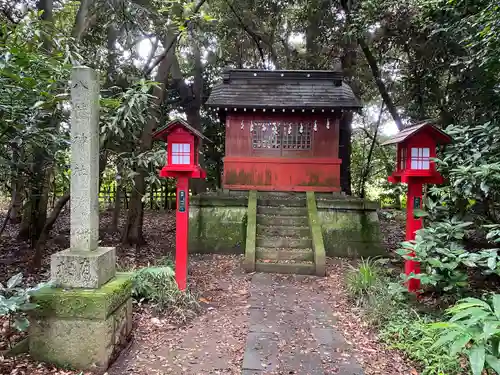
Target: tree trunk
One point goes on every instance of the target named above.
(345, 132)
(132, 233)
(313, 32)
(116, 209)
(25, 228)
(17, 204)
(192, 101)
(35, 209)
(366, 170)
(81, 19)
(382, 88)
(348, 63)
(44, 235)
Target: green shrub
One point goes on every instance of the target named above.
(385, 306)
(444, 259)
(14, 304)
(362, 278)
(474, 330)
(409, 332)
(166, 261)
(157, 286)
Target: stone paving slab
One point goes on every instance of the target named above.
(291, 332)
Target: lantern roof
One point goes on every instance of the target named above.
(162, 132)
(282, 89)
(410, 131)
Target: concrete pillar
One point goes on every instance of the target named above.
(84, 159)
(86, 316)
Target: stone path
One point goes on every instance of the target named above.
(290, 331)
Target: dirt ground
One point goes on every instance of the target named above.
(213, 342)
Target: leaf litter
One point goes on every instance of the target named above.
(214, 341)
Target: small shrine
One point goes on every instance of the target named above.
(182, 144)
(416, 147)
(282, 128)
(284, 173)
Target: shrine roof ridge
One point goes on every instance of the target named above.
(407, 132)
(178, 121)
(330, 75)
(282, 89)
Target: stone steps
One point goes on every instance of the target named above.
(274, 254)
(280, 220)
(282, 211)
(283, 242)
(285, 268)
(277, 202)
(302, 231)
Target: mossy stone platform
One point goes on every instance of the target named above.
(224, 222)
(82, 328)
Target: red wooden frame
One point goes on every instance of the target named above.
(421, 136)
(179, 132)
(316, 168)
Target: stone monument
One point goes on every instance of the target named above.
(85, 316)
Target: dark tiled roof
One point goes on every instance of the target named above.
(439, 135)
(178, 121)
(300, 89)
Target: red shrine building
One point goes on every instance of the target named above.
(282, 128)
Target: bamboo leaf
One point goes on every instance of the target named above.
(477, 357)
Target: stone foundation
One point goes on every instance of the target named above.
(82, 328)
(83, 269)
(218, 223)
(350, 227)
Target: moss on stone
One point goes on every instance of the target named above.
(316, 235)
(83, 303)
(351, 233)
(251, 232)
(217, 229)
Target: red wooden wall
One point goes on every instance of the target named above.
(316, 169)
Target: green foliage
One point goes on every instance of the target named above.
(474, 330)
(409, 331)
(385, 306)
(15, 303)
(473, 168)
(362, 278)
(444, 259)
(157, 286)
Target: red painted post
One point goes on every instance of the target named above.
(413, 224)
(181, 232)
(415, 167)
(182, 163)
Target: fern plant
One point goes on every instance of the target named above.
(474, 330)
(157, 286)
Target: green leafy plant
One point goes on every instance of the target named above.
(157, 286)
(362, 278)
(407, 330)
(14, 303)
(444, 259)
(474, 330)
(404, 328)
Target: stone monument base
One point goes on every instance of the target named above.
(83, 269)
(82, 328)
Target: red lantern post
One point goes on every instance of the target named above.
(416, 148)
(183, 143)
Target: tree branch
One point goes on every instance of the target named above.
(148, 69)
(81, 19)
(366, 170)
(384, 93)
